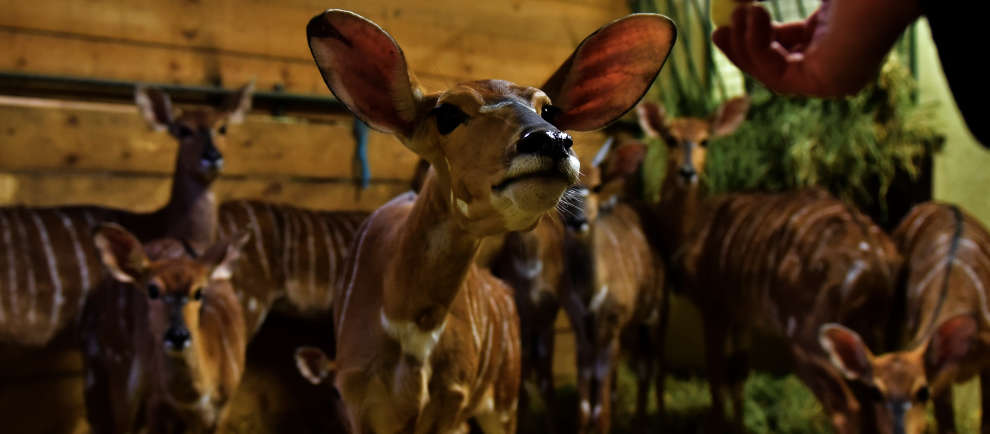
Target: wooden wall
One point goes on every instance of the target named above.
(57, 152)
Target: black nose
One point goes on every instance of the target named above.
(212, 155)
(687, 172)
(547, 143)
(176, 338)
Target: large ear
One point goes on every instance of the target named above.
(155, 107)
(239, 103)
(847, 351)
(624, 161)
(365, 69)
(222, 256)
(610, 71)
(946, 348)
(122, 254)
(313, 364)
(652, 119)
(729, 116)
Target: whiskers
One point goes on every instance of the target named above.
(571, 203)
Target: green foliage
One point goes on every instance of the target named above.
(855, 146)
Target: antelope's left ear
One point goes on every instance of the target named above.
(155, 107)
(847, 351)
(222, 256)
(239, 103)
(610, 71)
(121, 252)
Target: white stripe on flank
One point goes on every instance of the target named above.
(311, 246)
(287, 248)
(259, 241)
(331, 256)
(25, 250)
(80, 255)
(46, 242)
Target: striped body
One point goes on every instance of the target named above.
(781, 266)
(471, 371)
(947, 254)
(613, 300)
(294, 253)
(48, 265)
(800, 259)
(132, 384)
(532, 264)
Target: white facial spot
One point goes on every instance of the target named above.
(252, 304)
(414, 342)
(863, 246)
(585, 407)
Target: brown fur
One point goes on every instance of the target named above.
(532, 264)
(135, 382)
(776, 265)
(426, 338)
(294, 254)
(946, 276)
(48, 264)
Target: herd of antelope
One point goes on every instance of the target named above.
(443, 300)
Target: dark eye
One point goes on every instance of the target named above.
(222, 130)
(923, 394)
(153, 291)
(704, 143)
(550, 113)
(874, 393)
(449, 117)
(198, 294)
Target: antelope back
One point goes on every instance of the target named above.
(48, 265)
(947, 268)
(805, 256)
(294, 253)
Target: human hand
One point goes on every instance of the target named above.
(833, 52)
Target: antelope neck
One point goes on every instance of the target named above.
(191, 211)
(431, 262)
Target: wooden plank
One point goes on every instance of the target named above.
(197, 43)
(114, 137)
(148, 192)
(108, 137)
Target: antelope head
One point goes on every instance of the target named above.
(176, 284)
(499, 149)
(899, 385)
(201, 132)
(687, 138)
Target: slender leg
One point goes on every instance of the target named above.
(944, 416)
(715, 368)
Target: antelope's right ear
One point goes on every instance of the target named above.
(122, 254)
(610, 71)
(155, 107)
(947, 346)
(223, 255)
(313, 364)
(847, 351)
(652, 119)
(365, 69)
(729, 116)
